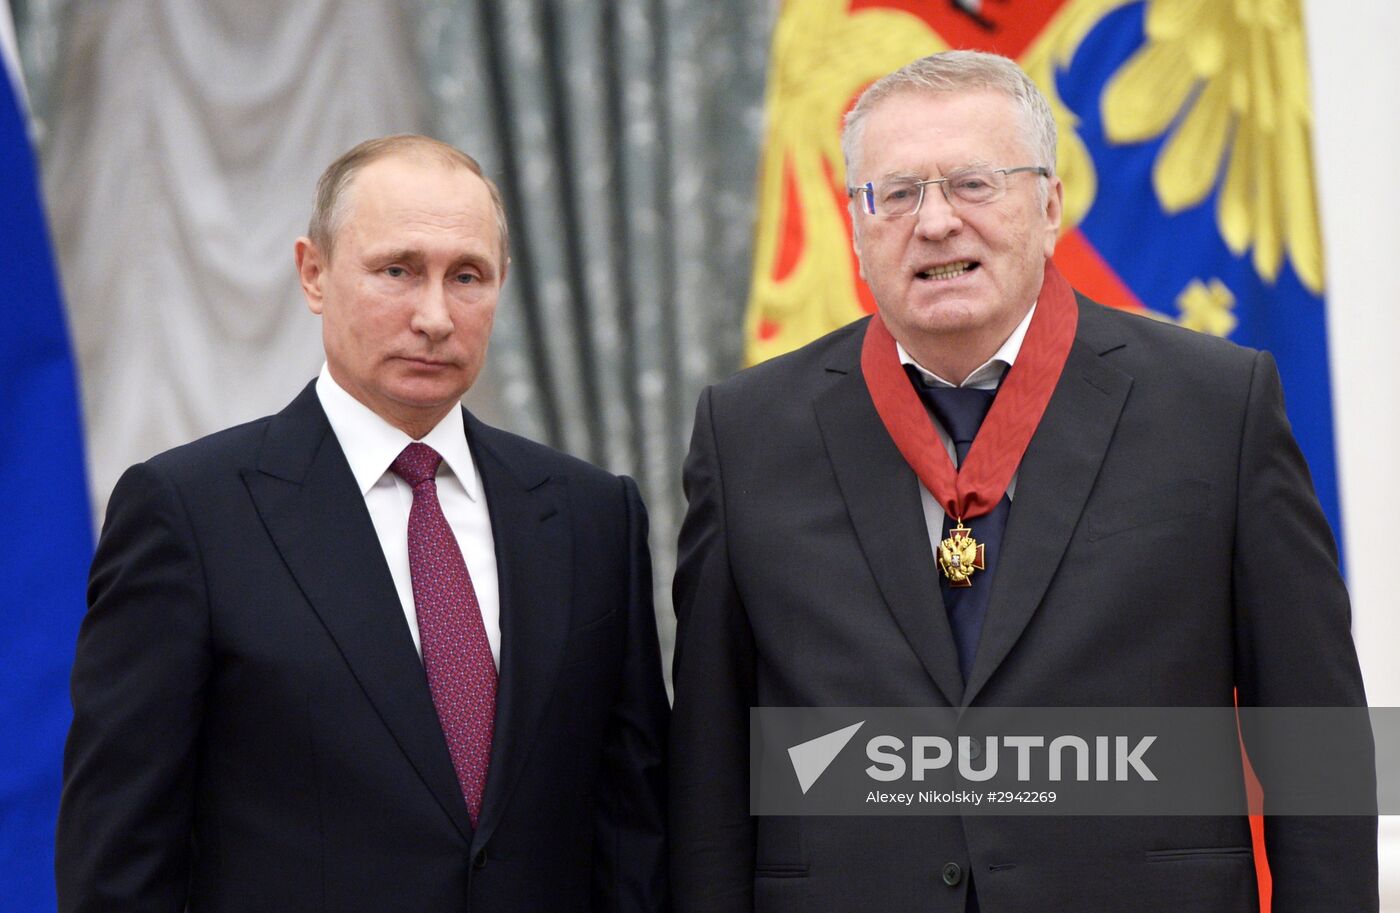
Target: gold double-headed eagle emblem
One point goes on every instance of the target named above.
(960, 555)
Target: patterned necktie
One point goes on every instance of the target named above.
(456, 653)
(960, 410)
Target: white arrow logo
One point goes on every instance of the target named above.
(811, 759)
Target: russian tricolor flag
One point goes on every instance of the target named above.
(45, 520)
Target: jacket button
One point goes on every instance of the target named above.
(952, 874)
(974, 748)
(479, 862)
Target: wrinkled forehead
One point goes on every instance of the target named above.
(913, 130)
(423, 192)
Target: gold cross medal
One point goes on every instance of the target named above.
(959, 555)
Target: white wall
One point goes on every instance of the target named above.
(1356, 76)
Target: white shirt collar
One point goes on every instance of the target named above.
(371, 444)
(989, 374)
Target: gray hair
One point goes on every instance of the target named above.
(328, 213)
(960, 71)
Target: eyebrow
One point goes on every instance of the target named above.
(403, 253)
(977, 165)
(901, 176)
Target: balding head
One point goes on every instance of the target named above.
(334, 189)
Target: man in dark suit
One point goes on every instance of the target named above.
(369, 653)
(1149, 538)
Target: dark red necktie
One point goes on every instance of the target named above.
(456, 653)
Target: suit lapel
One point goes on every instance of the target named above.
(1053, 483)
(882, 497)
(534, 554)
(309, 502)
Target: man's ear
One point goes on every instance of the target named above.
(311, 270)
(1054, 211)
(855, 237)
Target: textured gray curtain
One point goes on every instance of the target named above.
(625, 137)
(181, 140)
(180, 145)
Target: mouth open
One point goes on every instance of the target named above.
(947, 270)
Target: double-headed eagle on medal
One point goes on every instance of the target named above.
(959, 555)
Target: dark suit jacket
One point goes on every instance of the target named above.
(253, 728)
(1164, 547)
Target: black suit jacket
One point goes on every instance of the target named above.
(253, 729)
(1164, 548)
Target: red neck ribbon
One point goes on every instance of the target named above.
(1005, 434)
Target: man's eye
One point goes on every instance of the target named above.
(896, 194)
(971, 183)
(395, 272)
(467, 278)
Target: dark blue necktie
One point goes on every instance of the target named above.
(960, 410)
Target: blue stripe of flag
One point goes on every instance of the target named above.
(45, 524)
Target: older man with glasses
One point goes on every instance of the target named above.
(994, 493)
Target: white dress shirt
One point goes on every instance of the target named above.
(986, 377)
(371, 444)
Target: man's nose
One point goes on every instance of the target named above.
(431, 315)
(936, 218)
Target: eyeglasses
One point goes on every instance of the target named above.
(970, 187)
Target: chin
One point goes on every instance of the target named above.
(428, 395)
(947, 317)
